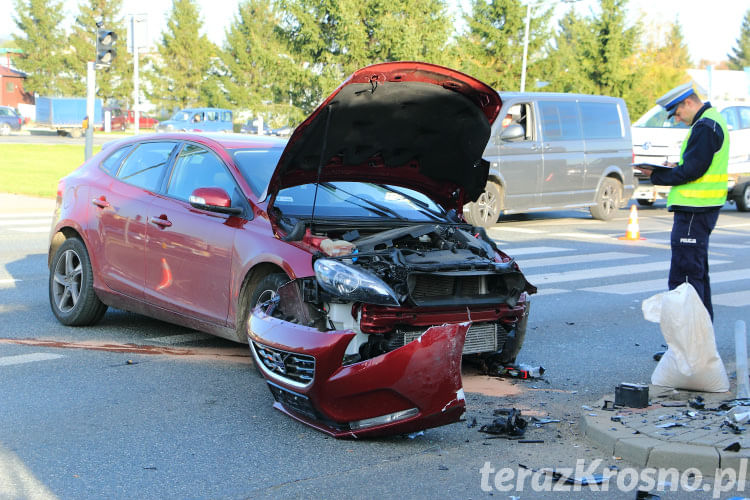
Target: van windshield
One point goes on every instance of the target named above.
(656, 117)
(181, 116)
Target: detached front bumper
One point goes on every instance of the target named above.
(414, 387)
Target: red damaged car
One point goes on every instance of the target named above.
(340, 256)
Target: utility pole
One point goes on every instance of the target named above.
(135, 48)
(90, 91)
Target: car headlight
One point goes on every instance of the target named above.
(354, 284)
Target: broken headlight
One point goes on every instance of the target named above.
(353, 284)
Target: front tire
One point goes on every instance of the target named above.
(71, 286)
(743, 199)
(607, 199)
(485, 211)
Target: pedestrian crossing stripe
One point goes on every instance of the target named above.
(28, 358)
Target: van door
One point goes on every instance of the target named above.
(518, 161)
(563, 153)
(606, 143)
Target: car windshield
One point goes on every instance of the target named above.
(347, 200)
(257, 166)
(181, 116)
(656, 117)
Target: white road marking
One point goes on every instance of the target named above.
(591, 236)
(28, 358)
(661, 284)
(576, 259)
(44, 229)
(549, 291)
(726, 245)
(21, 222)
(516, 230)
(180, 339)
(513, 252)
(733, 299)
(40, 215)
(8, 281)
(603, 272)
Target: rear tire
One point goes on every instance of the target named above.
(71, 286)
(485, 211)
(607, 199)
(743, 199)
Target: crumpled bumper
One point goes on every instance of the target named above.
(414, 387)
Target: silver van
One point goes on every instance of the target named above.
(553, 151)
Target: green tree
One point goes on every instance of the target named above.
(741, 56)
(330, 39)
(183, 67)
(259, 71)
(114, 83)
(663, 65)
(596, 55)
(492, 47)
(43, 43)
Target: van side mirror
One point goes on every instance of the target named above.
(512, 132)
(213, 199)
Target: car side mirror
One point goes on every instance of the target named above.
(512, 132)
(213, 199)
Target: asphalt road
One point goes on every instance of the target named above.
(137, 408)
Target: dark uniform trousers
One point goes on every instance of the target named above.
(690, 232)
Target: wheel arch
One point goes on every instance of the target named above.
(251, 279)
(62, 234)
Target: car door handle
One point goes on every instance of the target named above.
(100, 202)
(160, 221)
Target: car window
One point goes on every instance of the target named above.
(601, 120)
(257, 166)
(196, 167)
(343, 200)
(145, 166)
(4, 112)
(730, 115)
(744, 112)
(113, 161)
(559, 120)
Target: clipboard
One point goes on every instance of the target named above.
(651, 166)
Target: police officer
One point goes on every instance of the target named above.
(699, 187)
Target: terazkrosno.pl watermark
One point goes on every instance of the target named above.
(626, 479)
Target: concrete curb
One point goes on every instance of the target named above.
(668, 436)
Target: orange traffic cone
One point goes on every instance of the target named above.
(633, 232)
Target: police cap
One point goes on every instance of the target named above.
(671, 99)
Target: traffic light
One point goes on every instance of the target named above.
(105, 46)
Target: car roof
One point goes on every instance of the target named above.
(227, 141)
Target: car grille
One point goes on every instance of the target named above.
(481, 337)
(293, 401)
(292, 366)
(430, 285)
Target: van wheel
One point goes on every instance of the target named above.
(485, 211)
(607, 199)
(743, 199)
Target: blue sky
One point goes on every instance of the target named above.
(710, 33)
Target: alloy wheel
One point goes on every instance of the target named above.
(68, 275)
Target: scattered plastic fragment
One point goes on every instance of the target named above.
(658, 355)
(511, 425)
(669, 425)
(697, 402)
(733, 447)
(673, 404)
(472, 423)
(538, 422)
(587, 408)
(415, 434)
(442, 467)
(528, 441)
(641, 494)
(568, 479)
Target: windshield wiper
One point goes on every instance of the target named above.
(426, 210)
(374, 206)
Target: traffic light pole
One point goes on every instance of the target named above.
(90, 91)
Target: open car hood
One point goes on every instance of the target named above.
(410, 124)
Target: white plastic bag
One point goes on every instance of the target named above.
(691, 361)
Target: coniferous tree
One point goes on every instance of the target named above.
(260, 73)
(330, 39)
(43, 44)
(182, 68)
(114, 83)
(492, 47)
(740, 58)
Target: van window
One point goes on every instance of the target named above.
(744, 112)
(212, 116)
(226, 116)
(730, 116)
(560, 120)
(601, 120)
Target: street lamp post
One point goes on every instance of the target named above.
(134, 19)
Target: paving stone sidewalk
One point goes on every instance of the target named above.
(673, 431)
